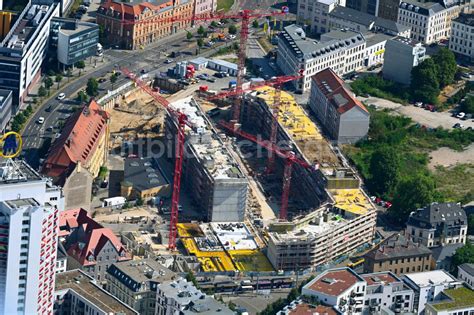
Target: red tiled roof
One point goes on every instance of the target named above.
(78, 140)
(306, 309)
(336, 85)
(379, 277)
(334, 282)
(132, 10)
(91, 239)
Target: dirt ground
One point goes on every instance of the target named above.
(447, 157)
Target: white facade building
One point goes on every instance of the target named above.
(462, 36)
(204, 6)
(316, 13)
(428, 286)
(342, 51)
(29, 207)
(466, 274)
(429, 21)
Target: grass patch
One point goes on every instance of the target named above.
(224, 5)
(460, 298)
(226, 50)
(103, 172)
(377, 86)
(265, 43)
(457, 182)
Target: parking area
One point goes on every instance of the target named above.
(420, 115)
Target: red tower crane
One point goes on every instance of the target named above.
(290, 159)
(245, 16)
(181, 122)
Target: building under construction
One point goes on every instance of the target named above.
(211, 175)
(339, 217)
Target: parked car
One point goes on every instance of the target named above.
(210, 79)
(49, 109)
(221, 74)
(461, 115)
(40, 120)
(458, 126)
(430, 107)
(232, 36)
(419, 104)
(102, 80)
(61, 96)
(168, 61)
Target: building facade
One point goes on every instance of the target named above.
(315, 13)
(462, 40)
(128, 24)
(73, 40)
(210, 173)
(203, 7)
(401, 56)
(399, 255)
(453, 301)
(430, 22)
(388, 9)
(364, 6)
(466, 274)
(135, 282)
(29, 209)
(342, 51)
(438, 224)
(24, 48)
(343, 116)
(5, 108)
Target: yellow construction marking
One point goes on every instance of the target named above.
(250, 260)
(352, 200)
(189, 230)
(219, 260)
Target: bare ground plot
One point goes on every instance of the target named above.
(456, 181)
(447, 157)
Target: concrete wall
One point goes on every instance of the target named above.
(229, 200)
(399, 61)
(353, 125)
(5, 109)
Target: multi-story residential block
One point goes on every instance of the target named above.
(73, 40)
(375, 49)
(211, 174)
(385, 291)
(364, 6)
(24, 48)
(78, 293)
(341, 288)
(315, 13)
(202, 7)
(342, 51)
(466, 274)
(429, 21)
(299, 307)
(343, 116)
(438, 224)
(5, 108)
(29, 209)
(428, 286)
(461, 41)
(182, 297)
(90, 247)
(83, 141)
(128, 23)
(61, 258)
(452, 301)
(401, 56)
(388, 9)
(134, 283)
(399, 255)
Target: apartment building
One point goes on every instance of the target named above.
(462, 32)
(341, 288)
(343, 116)
(340, 50)
(73, 40)
(90, 247)
(401, 56)
(29, 209)
(429, 21)
(135, 283)
(5, 108)
(211, 175)
(24, 48)
(182, 297)
(202, 7)
(364, 6)
(315, 13)
(399, 255)
(428, 286)
(438, 224)
(386, 292)
(452, 301)
(388, 9)
(466, 274)
(78, 293)
(128, 23)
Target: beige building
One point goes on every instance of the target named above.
(315, 13)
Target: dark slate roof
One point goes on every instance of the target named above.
(424, 8)
(352, 15)
(469, 268)
(144, 173)
(435, 213)
(467, 19)
(440, 253)
(397, 246)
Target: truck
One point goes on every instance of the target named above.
(232, 84)
(114, 202)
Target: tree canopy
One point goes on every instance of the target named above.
(232, 29)
(385, 170)
(424, 82)
(92, 88)
(463, 255)
(446, 66)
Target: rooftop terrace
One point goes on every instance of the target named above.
(459, 298)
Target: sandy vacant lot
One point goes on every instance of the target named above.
(447, 157)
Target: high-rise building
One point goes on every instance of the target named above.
(29, 206)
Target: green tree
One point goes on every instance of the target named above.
(232, 29)
(58, 79)
(81, 97)
(189, 35)
(446, 66)
(139, 201)
(470, 224)
(255, 24)
(191, 278)
(201, 30)
(214, 24)
(200, 43)
(29, 110)
(468, 105)
(113, 79)
(48, 83)
(232, 306)
(424, 82)
(80, 64)
(411, 193)
(463, 255)
(92, 88)
(385, 170)
(42, 92)
(68, 74)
